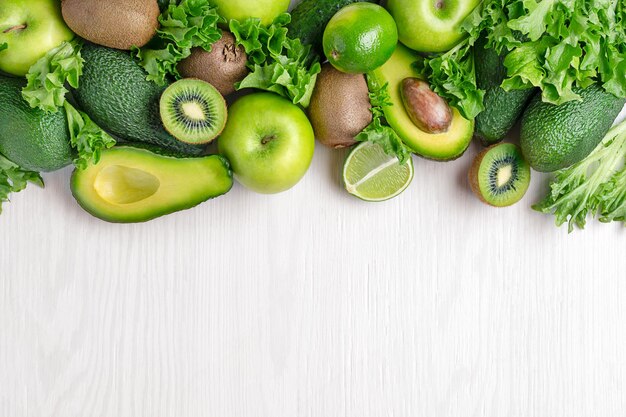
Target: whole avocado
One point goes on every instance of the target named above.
(502, 108)
(114, 92)
(556, 137)
(31, 138)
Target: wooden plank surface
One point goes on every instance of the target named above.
(311, 304)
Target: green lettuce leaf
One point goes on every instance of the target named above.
(14, 179)
(556, 45)
(86, 137)
(596, 185)
(277, 63)
(453, 77)
(47, 78)
(185, 24)
(377, 131)
(3, 46)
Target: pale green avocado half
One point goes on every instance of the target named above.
(131, 185)
(441, 147)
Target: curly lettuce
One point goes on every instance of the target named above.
(185, 24)
(377, 131)
(277, 62)
(47, 78)
(556, 45)
(86, 137)
(453, 77)
(596, 185)
(14, 179)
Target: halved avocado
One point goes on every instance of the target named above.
(131, 184)
(442, 147)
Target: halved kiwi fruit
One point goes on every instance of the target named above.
(193, 111)
(500, 175)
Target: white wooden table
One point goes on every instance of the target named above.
(312, 304)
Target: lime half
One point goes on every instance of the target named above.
(372, 175)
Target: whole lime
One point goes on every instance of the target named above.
(360, 38)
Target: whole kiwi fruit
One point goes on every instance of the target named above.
(340, 107)
(119, 24)
(224, 66)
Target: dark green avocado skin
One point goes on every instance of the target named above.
(556, 137)
(502, 108)
(31, 138)
(114, 92)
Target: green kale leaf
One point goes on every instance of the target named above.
(86, 137)
(14, 179)
(277, 63)
(377, 131)
(185, 24)
(47, 78)
(596, 185)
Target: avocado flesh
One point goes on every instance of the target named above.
(31, 138)
(131, 185)
(443, 147)
(114, 92)
(556, 137)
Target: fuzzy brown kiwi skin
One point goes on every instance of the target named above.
(340, 107)
(473, 174)
(118, 24)
(224, 66)
(223, 102)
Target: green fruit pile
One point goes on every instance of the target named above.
(155, 79)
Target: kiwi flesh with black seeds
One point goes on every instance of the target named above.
(500, 175)
(223, 67)
(193, 111)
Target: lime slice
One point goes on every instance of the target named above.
(372, 175)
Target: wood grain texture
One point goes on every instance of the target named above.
(311, 303)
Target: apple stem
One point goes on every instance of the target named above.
(16, 28)
(268, 139)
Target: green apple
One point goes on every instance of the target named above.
(30, 29)
(266, 10)
(269, 142)
(430, 25)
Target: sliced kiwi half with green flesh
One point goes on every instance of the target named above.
(500, 175)
(193, 111)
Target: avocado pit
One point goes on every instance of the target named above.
(120, 184)
(427, 110)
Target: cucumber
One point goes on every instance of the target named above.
(310, 17)
(502, 108)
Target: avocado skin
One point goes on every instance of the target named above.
(502, 108)
(556, 137)
(31, 138)
(114, 92)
